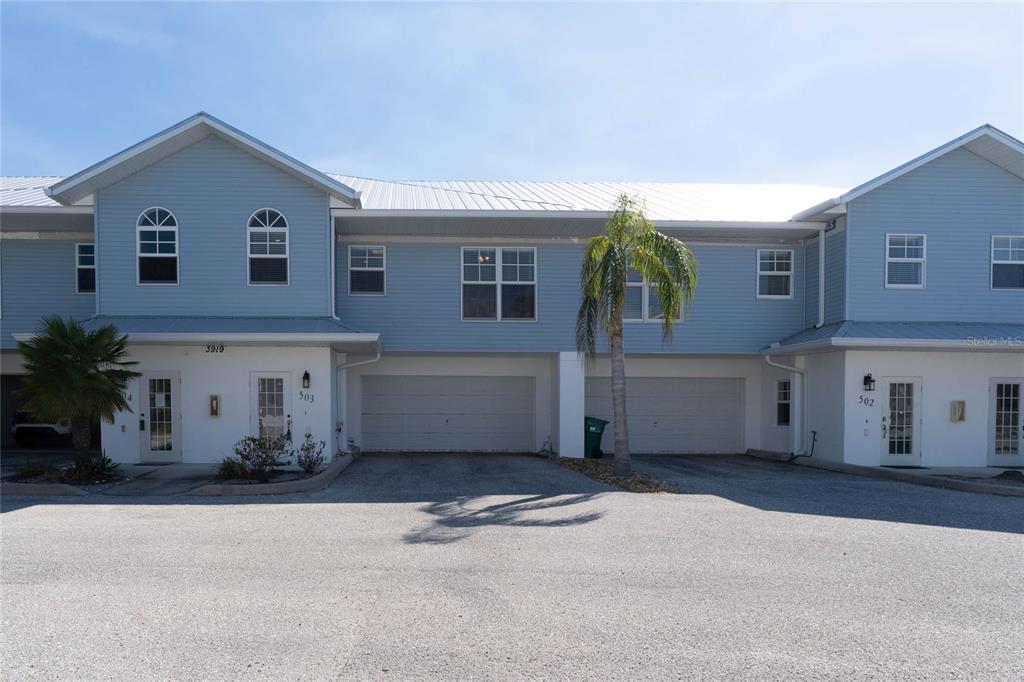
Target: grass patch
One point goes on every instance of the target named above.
(599, 470)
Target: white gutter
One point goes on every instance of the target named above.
(361, 362)
(799, 402)
(236, 337)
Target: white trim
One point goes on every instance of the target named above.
(249, 255)
(35, 210)
(138, 253)
(499, 280)
(993, 262)
(792, 279)
(981, 131)
(923, 260)
(79, 266)
(202, 338)
(313, 176)
(383, 269)
(529, 240)
(645, 302)
(937, 344)
(58, 236)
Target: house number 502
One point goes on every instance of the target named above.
(214, 348)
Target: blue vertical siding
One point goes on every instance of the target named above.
(810, 261)
(422, 308)
(212, 188)
(38, 279)
(959, 201)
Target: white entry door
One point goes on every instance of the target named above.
(901, 421)
(270, 414)
(160, 417)
(1005, 445)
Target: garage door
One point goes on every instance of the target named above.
(461, 413)
(674, 415)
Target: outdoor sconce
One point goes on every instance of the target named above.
(869, 382)
(305, 379)
(214, 405)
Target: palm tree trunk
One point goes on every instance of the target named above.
(618, 358)
(81, 438)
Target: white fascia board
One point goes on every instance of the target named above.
(328, 184)
(472, 213)
(47, 210)
(236, 337)
(889, 344)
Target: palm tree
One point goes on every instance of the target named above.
(670, 270)
(76, 375)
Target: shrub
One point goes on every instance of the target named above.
(29, 470)
(97, 469)
(311, 455)
(231, 468)
(260, 455)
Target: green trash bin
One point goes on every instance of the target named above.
(593, 429)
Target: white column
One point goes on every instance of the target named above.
(571, 389)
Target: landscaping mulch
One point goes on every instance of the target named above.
(600, 470)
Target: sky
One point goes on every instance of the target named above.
(828, 94)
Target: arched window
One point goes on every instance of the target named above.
(156, 237)
(268, 247)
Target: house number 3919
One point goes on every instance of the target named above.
(215, 348)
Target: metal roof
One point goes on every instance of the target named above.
(666, 201)
(982, 335)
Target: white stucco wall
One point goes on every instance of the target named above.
(944, 376)
(209, 439)
(774, 437)
(826, 412)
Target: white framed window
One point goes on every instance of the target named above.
(85, 268)
(367, 267)
(904, 261)
(782, 403)
(268, 248)
(157, 247)
(499, 283)
(1007, 262)
(641, 301)
(775, 273)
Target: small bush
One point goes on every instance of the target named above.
(29, 470)
(311, 455)
(260, 455)
(231, 468)
(98, 469)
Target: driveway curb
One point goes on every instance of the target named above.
(895, 475)
(318, 482)
(11, 488)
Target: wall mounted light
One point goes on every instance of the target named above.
(214, 405)
(869, 382)
(305, 379)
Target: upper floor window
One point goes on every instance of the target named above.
(1007, 262)
(85, 268)
(782, 403)
(641, 301)
(268, 247)
(499, 283)
(366, 270)
(774, 273)
(157, 239)
(904, 260)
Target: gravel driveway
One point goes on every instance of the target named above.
(456, 567)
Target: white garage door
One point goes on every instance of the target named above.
(455, 413)
(673, 415)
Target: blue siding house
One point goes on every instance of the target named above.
(883, 325)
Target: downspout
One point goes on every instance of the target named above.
(821, 278)
(801, 398)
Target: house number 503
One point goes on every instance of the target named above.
(306, 396)
(215, 348)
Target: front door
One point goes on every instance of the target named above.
(901, 433)
(1005, 446)
(160, 417)
(271, 409)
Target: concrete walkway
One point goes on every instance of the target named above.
(149, 480)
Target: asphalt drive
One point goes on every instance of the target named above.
(502, 567)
